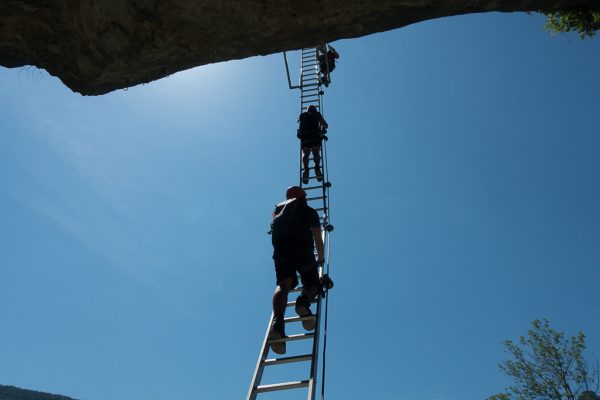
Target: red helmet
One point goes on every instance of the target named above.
(295, 192)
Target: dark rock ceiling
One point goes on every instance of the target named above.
(97, 46)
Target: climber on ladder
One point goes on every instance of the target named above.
(294, 232)
(326, 60)
(311, 133)
(297, 231)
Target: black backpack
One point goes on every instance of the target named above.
(309, 122)
(287, 221)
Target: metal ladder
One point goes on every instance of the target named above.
(317, 198)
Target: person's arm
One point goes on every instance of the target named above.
(316, 231)
(323, 122)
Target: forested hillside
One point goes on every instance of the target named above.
(15, 393)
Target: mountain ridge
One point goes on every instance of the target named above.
(8, 392)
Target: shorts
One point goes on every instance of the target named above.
(310, 141)
(309, 273)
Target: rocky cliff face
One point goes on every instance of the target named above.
(96, 46)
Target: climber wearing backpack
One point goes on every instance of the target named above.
(295, 231)
(326, 60)
(311, 132)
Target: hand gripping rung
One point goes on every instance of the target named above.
(287, 360)
(281, 386)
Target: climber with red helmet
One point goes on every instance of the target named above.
(311, 133)
(295, 231)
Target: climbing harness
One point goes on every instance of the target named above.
(318, 198)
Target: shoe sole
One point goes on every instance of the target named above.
(280, 347)
(302, 311)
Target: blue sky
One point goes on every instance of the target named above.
(464, 159)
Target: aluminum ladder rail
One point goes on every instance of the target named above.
(318, 198)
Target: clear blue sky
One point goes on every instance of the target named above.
(464, 154)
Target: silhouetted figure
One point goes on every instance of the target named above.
(311, 133)
(326, 60)
(294, 233)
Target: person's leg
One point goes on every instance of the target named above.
(305, 159)
(310, 291)
(280, 297)
(310, 288)
(316, 151)
(285, 283)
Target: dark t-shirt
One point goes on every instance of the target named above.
(300, 245)
(310, 122)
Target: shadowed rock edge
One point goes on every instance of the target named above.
(97, 46)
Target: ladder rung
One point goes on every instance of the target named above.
(290, 338)
(293, 303)
(316, 198)
(312, 187)
(312, 177)
(299, 319)
(309, 85)
(287, 360)
(320, 209)
(281, 386)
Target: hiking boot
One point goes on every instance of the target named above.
(277, 331)
(305, 176)
(303, 310)
(318, 174)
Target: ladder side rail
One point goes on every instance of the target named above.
(326, 190)
(324, 362)
(260, 367)
(314, 366)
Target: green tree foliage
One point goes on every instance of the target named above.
(547, 366)
(15, 393)
(584, 21)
